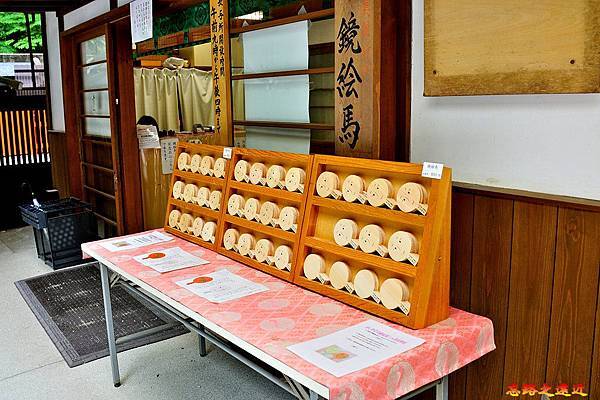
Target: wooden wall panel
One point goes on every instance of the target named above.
(492, 233)
(532, 268)
(460, 273)
(574, 297)
(595, 378)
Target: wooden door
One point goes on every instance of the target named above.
(97, 125)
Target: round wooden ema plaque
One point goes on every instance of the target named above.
(379, 191)
(214, 201)
(195, 163)
(401, 244)
(197, 225)
(365, 283)
(327, 183)
(174, 216)
(208, 231)
(264, 248)
(251, 208)
(257, 172)
(283, 257)
(203, 196)
(268, 212)
(235, 204)
(339, 274)
(230, 238)
(178, 188)
(241, 170)
(410, 195)
(275, 175)
(392, 292)
(294, 179)
(344, 231)
(314, 265)
(288, 217)
(219, 167)
(189, 192)
(246, 242)
(183, 161)
(206, 165)
(185, 221)
(370, 238)
(353, 186)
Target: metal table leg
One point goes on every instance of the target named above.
(441, 389)
(202, 343)
(110, 330)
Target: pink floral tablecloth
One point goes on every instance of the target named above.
(287, 314)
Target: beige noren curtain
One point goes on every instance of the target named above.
(156, 95)
(195, 91)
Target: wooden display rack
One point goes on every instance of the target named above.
(281, 196)
(200, 180)
(425, 274)
(428, 281)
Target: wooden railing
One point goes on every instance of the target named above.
(23, 137)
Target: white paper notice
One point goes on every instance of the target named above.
(148, 137)
(221, 286)
(170, 259)
(354, 348)
(141, 20)
(168, 147)
(133, 242)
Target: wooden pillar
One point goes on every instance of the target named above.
(365, 78)
(221, 69)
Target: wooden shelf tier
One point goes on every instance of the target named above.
(354, 301)
(269, 269)
(205, 211)
(282, 194)
(407, 270)
(368, 210)
(199, 178)
(258, 227)
(190, 238)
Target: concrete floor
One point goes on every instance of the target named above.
(32, 368)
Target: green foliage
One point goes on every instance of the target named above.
(13, 32)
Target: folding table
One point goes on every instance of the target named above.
(263, 325)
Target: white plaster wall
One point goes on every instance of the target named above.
(541, 143)
(87, 12)
(76, 17)
(54, 70)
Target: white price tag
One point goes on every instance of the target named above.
(432, 170)
(227, 153)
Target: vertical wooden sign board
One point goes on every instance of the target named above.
(221, 70)
(357, 48)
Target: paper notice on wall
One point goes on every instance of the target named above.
(168, 148)
(141, 20)
(355, 348)
(169, 259)
(133, 242)
(148, 137)
(221, 286)
(282, 99)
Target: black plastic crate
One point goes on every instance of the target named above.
(60, 227)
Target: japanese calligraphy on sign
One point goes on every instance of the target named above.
(221, 72)
(353, 79)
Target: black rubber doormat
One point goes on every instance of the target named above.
(68, 304)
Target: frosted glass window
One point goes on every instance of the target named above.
(97, 127)
(95, 77)
(93, 50)
(96, 103)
